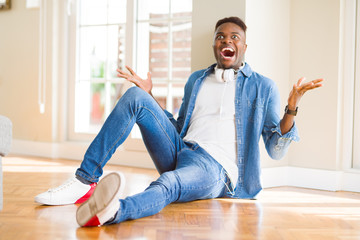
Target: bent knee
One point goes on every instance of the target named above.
(134, 96)
(168, 182)
(135, 92)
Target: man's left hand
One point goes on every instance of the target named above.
(299, 89)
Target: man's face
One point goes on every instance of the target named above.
(229, 45)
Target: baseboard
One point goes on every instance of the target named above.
(350, 181)
(270, 177)
(315, 178)
(301, 177)
(76, 151)
(274, 177)
(311, 178)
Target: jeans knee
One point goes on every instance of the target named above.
(169, 184)
(135, 95)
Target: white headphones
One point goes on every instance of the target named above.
(225, 75)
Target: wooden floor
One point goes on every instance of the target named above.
(279, 213)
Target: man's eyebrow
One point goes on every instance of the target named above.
(238, 33)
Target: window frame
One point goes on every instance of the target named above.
(133, 142)
(73, 47)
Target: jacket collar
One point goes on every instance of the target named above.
(247, 71)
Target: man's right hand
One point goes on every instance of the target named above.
(144, 84)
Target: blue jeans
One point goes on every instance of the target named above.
(187, 172)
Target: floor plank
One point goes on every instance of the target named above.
(279, 213)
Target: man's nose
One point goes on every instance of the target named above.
(227, 40)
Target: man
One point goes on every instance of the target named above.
(210, 151)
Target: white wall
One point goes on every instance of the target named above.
(315, 49)
(19, 48)
(288, 40)
(268, 51)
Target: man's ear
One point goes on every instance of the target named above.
(245, 47)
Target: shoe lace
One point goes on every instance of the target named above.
(68, 183)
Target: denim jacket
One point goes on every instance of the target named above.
(257, 104)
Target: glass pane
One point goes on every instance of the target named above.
(176, 105)
(89, 107)
(117, 11)
(160, 92)
(153, 9)
(181, 8)
(115, 50)
(161, 101)
(152, 51)
(121, 47)
(94, 102)
(181, 52)
(177, 92)
(116, 93)
(102, 12)
(97, 102)
(93, 12)
(159, 52)
(92, 57)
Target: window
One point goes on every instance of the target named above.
(158, 37)
(164, 47)
(100, 51)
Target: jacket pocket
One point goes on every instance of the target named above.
(256, 109)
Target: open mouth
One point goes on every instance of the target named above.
(227, 52)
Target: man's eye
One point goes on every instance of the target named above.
(220, 37)
(235, 37)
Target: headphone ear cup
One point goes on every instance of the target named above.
(228, 75)
(219, 74)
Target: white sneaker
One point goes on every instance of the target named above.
(72, 191)
(103, 204)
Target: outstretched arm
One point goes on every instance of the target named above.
(295, 95)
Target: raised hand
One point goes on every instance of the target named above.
(145, 84)
(299, 89)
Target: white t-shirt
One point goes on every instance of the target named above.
(212, 124)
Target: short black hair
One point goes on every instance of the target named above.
(235, 20)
